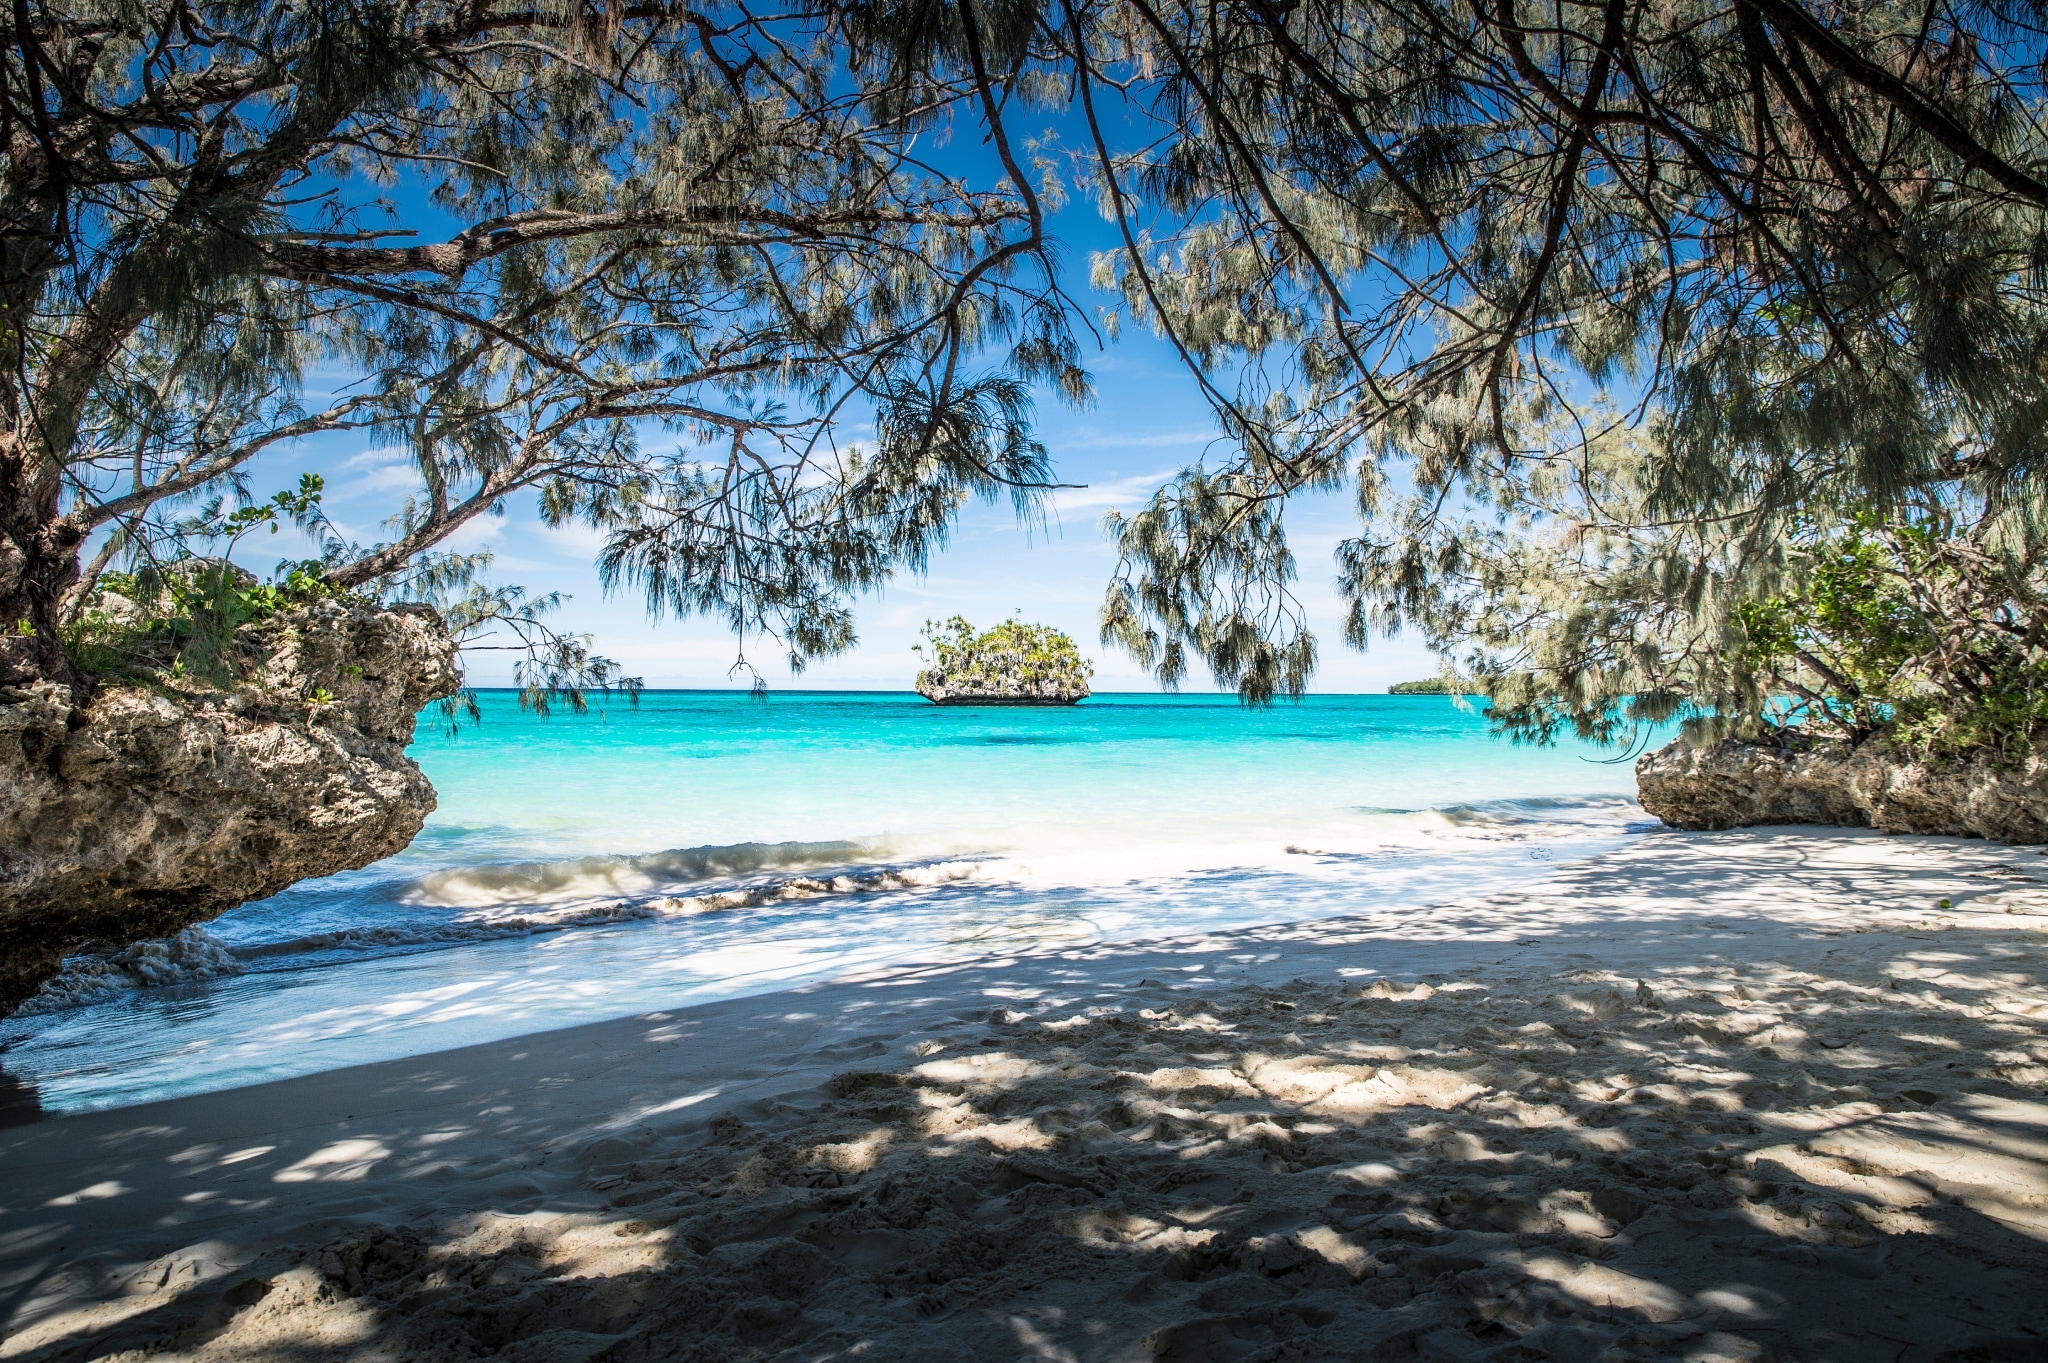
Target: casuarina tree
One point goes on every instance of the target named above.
(647, 262)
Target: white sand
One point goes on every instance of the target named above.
(1816, 1130)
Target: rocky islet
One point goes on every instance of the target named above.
(1013, 664)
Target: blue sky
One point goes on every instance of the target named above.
(1148, 422)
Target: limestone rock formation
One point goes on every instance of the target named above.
(1013, 664)
(1011, 688)
(139, 811)
(1734, 784)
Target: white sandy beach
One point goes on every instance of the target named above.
(1728, 1096)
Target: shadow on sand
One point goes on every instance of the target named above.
(1719, 1164)
(1727, 1119)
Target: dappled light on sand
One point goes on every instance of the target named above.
(1828, 1144)
(1714, 1165)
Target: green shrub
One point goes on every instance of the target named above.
(190, 619)
(1011, 654)
(1435, 686)
(1907, 629)
(187, 617)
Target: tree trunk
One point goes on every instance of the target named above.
(38, 564)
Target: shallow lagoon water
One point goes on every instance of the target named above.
(705, 845)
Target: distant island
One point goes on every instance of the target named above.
(1435, 686)
(1013, 664)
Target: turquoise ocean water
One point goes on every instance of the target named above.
(706, 844)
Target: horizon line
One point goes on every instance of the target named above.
(905, 691)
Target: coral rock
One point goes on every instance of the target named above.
(138, 812)
(1004, 691)
(1735, 784)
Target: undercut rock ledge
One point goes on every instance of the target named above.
(1734, 785)
(141, 812)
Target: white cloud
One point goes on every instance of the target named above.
(1195, 440)
(1128, 491)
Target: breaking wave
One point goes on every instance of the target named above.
(528, 919)
(467, 905)
(196, 954)
(1518, 817)
(582, 878)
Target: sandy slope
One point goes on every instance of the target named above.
(1816, 1129)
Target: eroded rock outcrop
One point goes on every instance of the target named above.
(140, 812)
(1734, 785)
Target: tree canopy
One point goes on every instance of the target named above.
(1598, 309)
(1619, 320)
(509, 239)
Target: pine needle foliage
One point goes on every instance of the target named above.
(1610, 318)
(668, 263)
(1441, 254)
(1582, 609)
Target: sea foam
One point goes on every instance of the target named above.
(95, 977)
